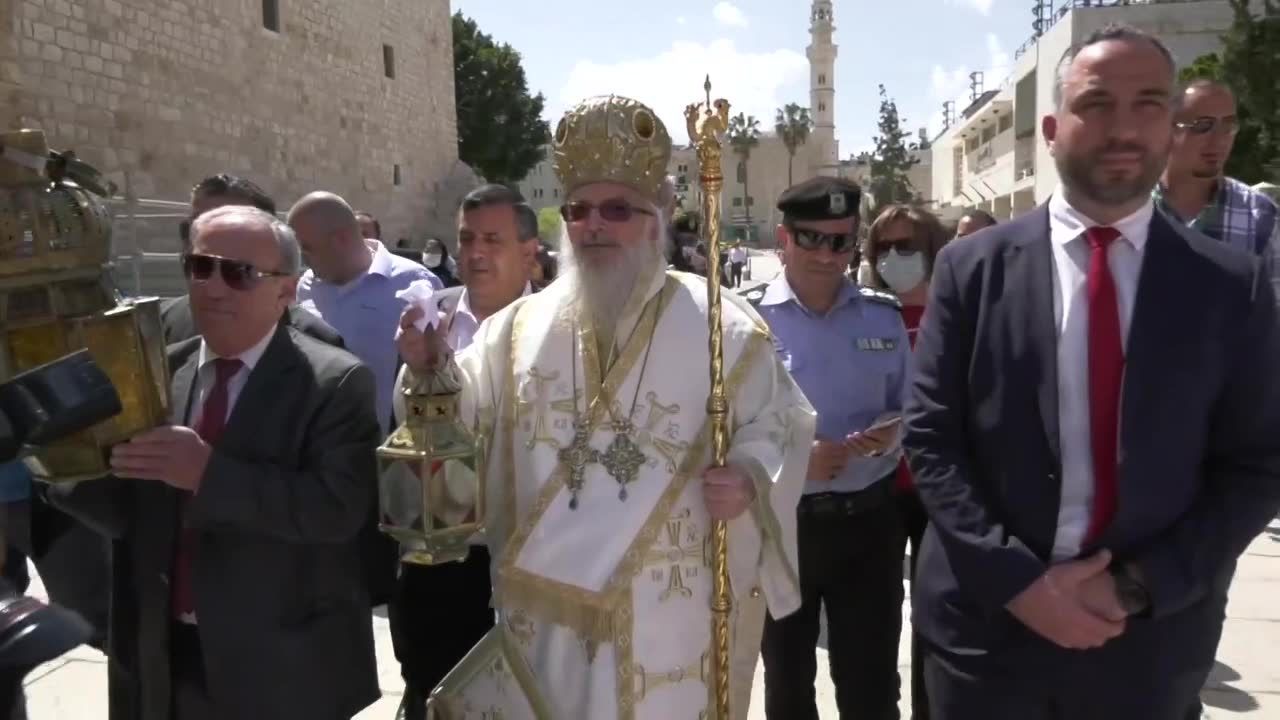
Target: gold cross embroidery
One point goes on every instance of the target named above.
(649, 681)
(649, 436)
(535, 412)
(684, 551)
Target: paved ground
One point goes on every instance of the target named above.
(1245, 683)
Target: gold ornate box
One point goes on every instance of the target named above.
(57, 296)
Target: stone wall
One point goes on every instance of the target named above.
(160, 93)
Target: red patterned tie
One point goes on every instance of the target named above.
(213, 418)
(1106, 369)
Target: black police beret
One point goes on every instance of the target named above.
(821, 198)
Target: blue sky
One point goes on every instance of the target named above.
(659, 51)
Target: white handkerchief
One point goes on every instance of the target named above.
(420, 294)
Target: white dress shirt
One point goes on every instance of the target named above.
(206, 376)
(1071, 317)
(463, 324)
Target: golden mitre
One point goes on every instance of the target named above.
(612, 139)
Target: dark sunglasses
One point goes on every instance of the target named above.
(237, 274)
(1205, 125)
(616, 210)
(813, 240)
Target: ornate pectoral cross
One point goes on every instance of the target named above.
(623, 458)
(575, 457)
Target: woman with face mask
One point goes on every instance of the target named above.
(436, 257)
(899, 252)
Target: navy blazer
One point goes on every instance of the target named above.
(1199, 473)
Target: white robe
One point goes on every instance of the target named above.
(604, 610)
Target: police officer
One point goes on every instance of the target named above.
(847, 348)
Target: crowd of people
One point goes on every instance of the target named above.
(1064, 420)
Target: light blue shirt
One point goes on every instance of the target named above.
(15, 482)
(851, 364)
(366, 313)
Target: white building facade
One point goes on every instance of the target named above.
(994, 157)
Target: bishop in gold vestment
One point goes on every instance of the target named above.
(600, 496)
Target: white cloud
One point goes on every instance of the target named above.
(726, 13)
(982, 6)
(673, 79)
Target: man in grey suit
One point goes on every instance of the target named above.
(237, 587)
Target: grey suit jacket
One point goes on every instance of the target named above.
(284, 616)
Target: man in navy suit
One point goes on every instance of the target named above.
(1093, 428)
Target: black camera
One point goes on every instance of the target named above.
(37, 407)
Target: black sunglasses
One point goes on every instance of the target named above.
(237, 274)
(616, 210)
(1205, 125)
(813, 240)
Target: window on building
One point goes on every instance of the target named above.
(1006, 122)
(389, 61)
(737, 202)
(988, 133)
(751, 201)
(555, 192)
(395, 175)
(822, 79)
(822, 107)
(271, 15)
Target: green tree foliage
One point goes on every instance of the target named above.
(892, 158)
(1248, 65)
(549, 222)
(501, 132)
(792, 124)
(744, 136)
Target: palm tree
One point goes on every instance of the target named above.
(793, 125)
(744, 135)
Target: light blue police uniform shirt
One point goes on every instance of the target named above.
(366, 313)
(852, 365)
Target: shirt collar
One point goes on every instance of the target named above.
(464, 302)
(1066, 223)
(1221, 187)
(249, 357)
(382, 263)
(780, 292)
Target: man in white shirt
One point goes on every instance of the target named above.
(1093, 426)
(497, 247)
(737, 262)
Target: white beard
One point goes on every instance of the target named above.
(604, 290)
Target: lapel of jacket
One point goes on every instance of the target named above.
(262, 388)
(1031, 277)
(184, 363)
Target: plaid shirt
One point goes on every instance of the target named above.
(1239, 216)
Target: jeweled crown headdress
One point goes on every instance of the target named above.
(612, 139)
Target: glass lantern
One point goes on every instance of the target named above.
(57, 297)
(431, 487)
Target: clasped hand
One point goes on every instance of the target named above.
(1073, 605)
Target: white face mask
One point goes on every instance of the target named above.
(902, 272)
(431, 260)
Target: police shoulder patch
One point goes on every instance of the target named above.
(882, 297)
(754, 296)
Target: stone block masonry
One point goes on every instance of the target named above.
(169, 91)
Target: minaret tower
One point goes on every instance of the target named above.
(822, 52)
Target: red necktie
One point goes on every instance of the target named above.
(1106, 369)
(213, 418)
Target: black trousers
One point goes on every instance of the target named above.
(914, 521)
(963, 689)
(735, 274)
(851, 564)
(438, 613)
